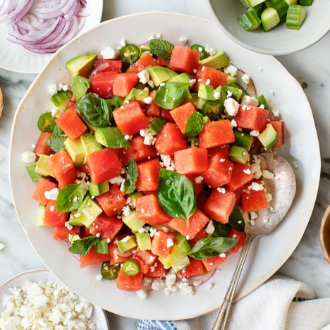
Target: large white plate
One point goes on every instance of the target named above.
(267, 254)
(14, 57)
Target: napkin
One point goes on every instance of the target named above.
(281, 303)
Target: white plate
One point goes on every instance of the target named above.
(267, 254)
(14, 57)
(98, 316)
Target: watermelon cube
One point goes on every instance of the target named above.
(184, 59)
(71, 124)
(102, 84)
(107, 227)
(241, 175)
(54, 218)
(279, 128)
(252, 198)
(195, 268)
(93, 258)
(162, 244)
(124, 82)
(148, 175)
(206, 74)
(143, 62)
(191, 161)
(251, 117)
(181, 115)
(111, 202)
(42, 148)
(43, 185)
(129, 283)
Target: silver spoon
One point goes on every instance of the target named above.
(284, 190)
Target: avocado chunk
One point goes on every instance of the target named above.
(137, 94)
(243, 140)
(42, 167)
(217, 61)
(268, 137)
(126, 243)
(206, 92)
(89, 144)
(81, 65)
(61, 99)
(31, 169)
(183, 263)
(230, 80)
(98, 189)
(132, 198)
(132, 221)
(239, 154)
(159, 74)
(182, 77)
(41, 215)
(143, 241)
(234, 92)
(76, 151)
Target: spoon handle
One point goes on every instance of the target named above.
(220, 321)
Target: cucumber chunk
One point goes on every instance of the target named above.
(269, 19)
(254, 3)
(143, 241)
(127, 243)
(262, 101)
(249, 20)
(132, 221)
(280, 6)
(295, 18)
(245, 3)
(258, 8)
(183, 263)
(61, 99)
(305, 2)
(291, 2)
(268, 137)
(239, 154)
(243, 140)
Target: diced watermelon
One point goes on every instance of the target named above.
(253, 200)
(191, 161)
(61, 233)
(279, 128)
(241, 175)
(204, 73)
(148, 175)
(220, 205)
(184, 59)
(107, 227)
(152, 110)
(71, 124)
(129, 283)
(170, 139)
(62, 167)
(162, 62)
(219, 171)
(201, 200)
(240, 235)
(105, 65)
(195, 268)
(124, 82)
(216, 133)
(157, 270)
(93, 258)
(166, 115)
(223, 150)
(145, 259)
(112, 202)
(149, 211)
(251, 117)
(200, 235)
(196, 223)
(115, 254)
(143, 62)
(162, 244)
(42, 148)
(214, 262)
(130, 118)
(103, 165)
(102, 83)
(197, 186)
(43, 185)
(181, 115)
(54, 218)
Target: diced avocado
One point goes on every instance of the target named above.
(269, 18)
(98, 189)
(86, 213)
(243, 140)
(31, 168)
(230, 80)
(126, 243)
(75, 220)
(41, 215)
(182, 77)
(236, 93)
(137, 94)
(143, 241)
(262, 101)
(217, 61)
(81, 65)
(159, 74)
(183, 263)
(268, 137)
(132, 198)
(180, 249)
(239, 154)
(132, 221)
(42, 167)
(89, 143)
(206, 92)
(61, 99)
(76, 151)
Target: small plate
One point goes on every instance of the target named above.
(98, 317)
(14, 57)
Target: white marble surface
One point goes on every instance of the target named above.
(311, 66)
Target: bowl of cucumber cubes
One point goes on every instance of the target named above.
(276, 27)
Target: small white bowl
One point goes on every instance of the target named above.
(279, 41)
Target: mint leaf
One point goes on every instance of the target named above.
(194, 125)
(80, 86)
(111, 137)
(83, 246)
(131, 177)
(162, 48)
(56, 142)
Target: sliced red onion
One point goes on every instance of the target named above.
(250, 87)
(125, 254)
(21, 10)
(99, 68)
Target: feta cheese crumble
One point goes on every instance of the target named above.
(247, 171)
(268, 175)
(209, 286)
(249, 100)
(126, 210)
(169, 242)
(28, 157)
(109, 53)
(231, 106)
(99, 277)
(183, 40)
(142, 294)
(246, 78)
(52, 194)
(210, 50)
(233, 123)
(149, 139)
(256, 186)
(147, 100)
(276, 113)
(222, 255)
(67, 225)
(221, 190)
(167, 162)
(117, 180)
(254, 133)
(216, 95)
(198, 179)
(210, 228)
(52, 89)
(231, 70)
(144, 76)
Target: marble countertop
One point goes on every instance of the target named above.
(311, 65)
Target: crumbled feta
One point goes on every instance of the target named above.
(109, 53)
(231, 106)
(68, 226)
(216, 95)
(2, 246)
(207, 82)
(253, 215)
(221, 190)
(126, 210)
(125, 239)
(197, 282)
(210, 50)
(153, 232)
(249, 100)
(268, 175)
(229, 94)
(149, 139)
(209, 286)
(151, 83)
(98, 235)
(255, 167)
(233, 123)
(167, 162)
(99, 277)
(269, 197)
(144, 76)
(147, 100)
(195, 70)
(158, 35)
(192, 81)
(222, 255)
(247, 171)
(52, 89)
(28, 157)
(252, 222)
(231, 70)
(187, 237)
(199, 179)
(222, 160)
(63, 87)
(256, 186)
(210, 228)
(117, 180)
(169, 242)
(123, 42)
(52, 194)
(276, 113)
(157, 284)
(246, 78)
(142, 294)
(108, 240)
(128, 137)
(254, 133)
(183, 40)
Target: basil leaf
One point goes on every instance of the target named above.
(157, 125)
(94, 110)
(221, 229)
(102, 246)
(131, 177)
(176, 195)
(56, 142)
(57, 130)
(83, 246)
(111, 137)
(194, 125)
(70, 197)
(162, 48)
(171, 95)
(115, 102)
(212, 247)
(236, 219)
(80, 86)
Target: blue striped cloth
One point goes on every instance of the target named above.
(156, 325)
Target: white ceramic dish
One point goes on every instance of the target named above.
(279, 41)
(16, 58)
(98, 316)
(267, 254)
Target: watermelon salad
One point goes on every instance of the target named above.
(146, 165)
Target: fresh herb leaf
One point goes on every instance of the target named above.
(212, 247)
(80, 86)
(131, 177)
(95, 111)
(236, 219)
(102, 246)
(157, 125)
(70, 197)
(176, 195)
(57, 130)
(111, 137)
(221, 229)
(83, 246)
(115, 102)
(162, 48)
(46, 122)
(56, 142)
(194, 125)
(172, 94)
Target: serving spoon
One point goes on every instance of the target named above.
(284, 189)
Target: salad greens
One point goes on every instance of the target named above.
(71, 197)
(194, 125)
(80, 86)
(82, 246)
(131, 177)
(162, 48)
(56, 142)
(172, 94)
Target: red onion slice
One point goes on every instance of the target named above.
(250, 87)
(125, 254)
(21, 10)
(99, 68)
